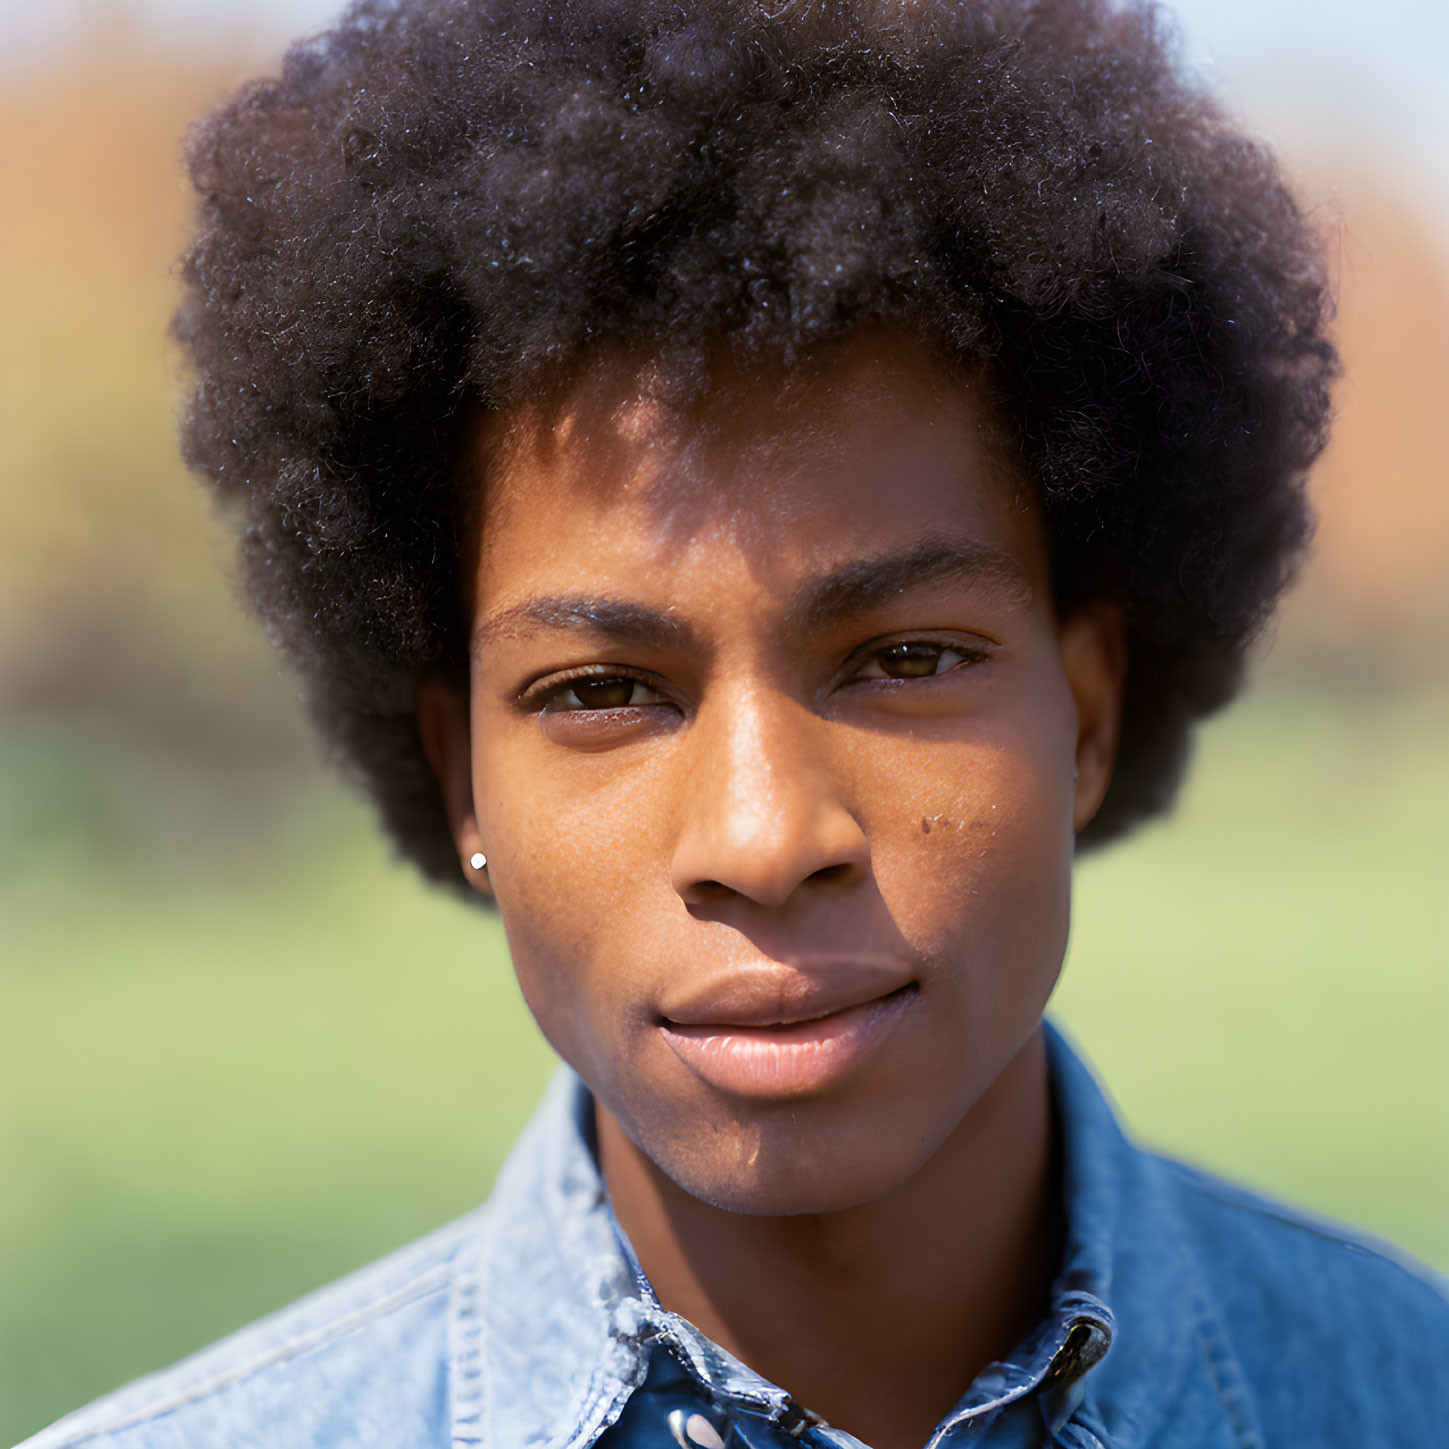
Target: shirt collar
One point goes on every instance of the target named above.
(552, 1320)
(1128, 1245)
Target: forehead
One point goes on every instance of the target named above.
(877, 444)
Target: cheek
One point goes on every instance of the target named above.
(570, 866)
(974, 856)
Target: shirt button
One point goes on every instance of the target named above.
(693, 1432)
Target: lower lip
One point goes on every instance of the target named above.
(786, 1061)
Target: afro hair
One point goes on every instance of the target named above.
(439, 204)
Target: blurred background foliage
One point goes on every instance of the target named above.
(242, 1052)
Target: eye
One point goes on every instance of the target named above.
(918, 659)
(599, 693)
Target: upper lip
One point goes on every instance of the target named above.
(772, 994)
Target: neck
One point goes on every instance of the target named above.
(876, 1318)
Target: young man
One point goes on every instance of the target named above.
(751, 492)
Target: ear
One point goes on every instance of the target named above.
(1094, 658)
(443, 726)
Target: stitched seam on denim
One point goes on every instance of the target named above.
(588, 1414)
(594, 1419)
(278, 1353)
(608, 1389)
(1226, 1373)
(1087, 1417)
(604, 1399)
(1240, 1197)
(993, 1407)
(467, 1389)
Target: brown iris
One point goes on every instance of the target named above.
(603, 693)
(910, 661)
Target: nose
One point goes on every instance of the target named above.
(764, 810)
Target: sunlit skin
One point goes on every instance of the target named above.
(776, 747)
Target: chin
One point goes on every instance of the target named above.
(791, 1167)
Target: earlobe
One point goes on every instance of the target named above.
(446, 737)
(1094, 657)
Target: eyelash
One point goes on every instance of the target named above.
(967, 654)
(544, 695)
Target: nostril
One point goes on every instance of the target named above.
(765, 855)
(838, 874)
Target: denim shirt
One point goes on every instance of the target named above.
(1187, 1314)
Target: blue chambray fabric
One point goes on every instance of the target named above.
(1188, 1314)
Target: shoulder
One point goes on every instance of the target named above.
(1267, 1257)
(1316, 1313)
(363, 1361)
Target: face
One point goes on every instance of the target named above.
(776, 749)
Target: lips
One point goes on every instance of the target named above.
(784, 1032)
(776, 994)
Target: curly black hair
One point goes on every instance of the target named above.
(440, 204)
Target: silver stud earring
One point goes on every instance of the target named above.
(477, 860)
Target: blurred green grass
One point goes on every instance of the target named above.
(231, 1073)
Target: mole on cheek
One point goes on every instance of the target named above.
(934, 822)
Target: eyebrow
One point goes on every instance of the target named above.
(583, 613)
(869, 583)
(819, 604)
